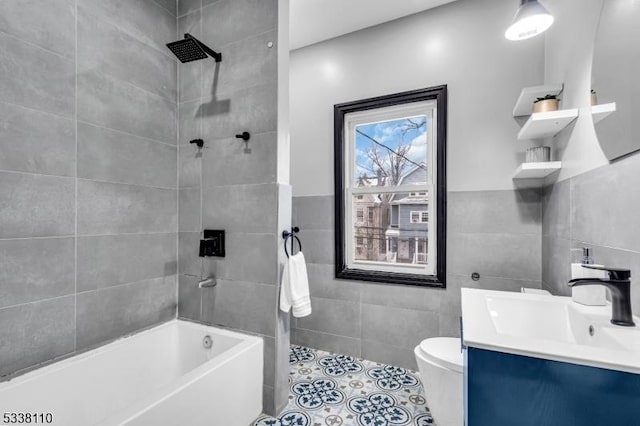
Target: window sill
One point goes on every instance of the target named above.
(390, 277)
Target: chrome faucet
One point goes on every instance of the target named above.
(619, 285)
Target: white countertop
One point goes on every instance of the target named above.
(548, 327)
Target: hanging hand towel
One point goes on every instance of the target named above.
(294, 291)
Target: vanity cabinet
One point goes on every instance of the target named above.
(503, 389)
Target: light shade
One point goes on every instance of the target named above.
(531, 19)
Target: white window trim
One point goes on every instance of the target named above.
(428, 108)
(419, 212)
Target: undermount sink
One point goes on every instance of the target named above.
(549, 327)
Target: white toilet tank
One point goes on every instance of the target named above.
(440, 362)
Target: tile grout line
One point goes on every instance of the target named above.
(201, 160)
(36, 46)
(88, 179)
(129, 33)
(177, 314)
(124, 132)
(75, 239)
(101, 235)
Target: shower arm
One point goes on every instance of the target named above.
(215, 55)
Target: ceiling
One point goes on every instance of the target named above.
(312, 21)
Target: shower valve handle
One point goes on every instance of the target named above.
(245, 136)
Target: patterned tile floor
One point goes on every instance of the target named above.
(338, 390)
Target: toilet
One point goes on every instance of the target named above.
(440, 364)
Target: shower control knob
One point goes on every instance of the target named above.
(198, 142)
(245, 136)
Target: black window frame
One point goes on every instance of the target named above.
(439, 94)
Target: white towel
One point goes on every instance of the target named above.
(294, 291)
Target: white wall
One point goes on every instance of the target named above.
(460, 44)
(569, 52)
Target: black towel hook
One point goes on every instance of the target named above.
(286, 234)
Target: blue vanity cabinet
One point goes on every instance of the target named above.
(513, 390)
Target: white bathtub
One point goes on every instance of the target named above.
(160, 377)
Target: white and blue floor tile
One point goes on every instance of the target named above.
(329, 389)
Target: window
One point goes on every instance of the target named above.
(390, 156)
(419, 216)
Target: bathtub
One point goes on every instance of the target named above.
(163, 376)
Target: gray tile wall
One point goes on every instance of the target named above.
(222, 187)
(494, 233)
(596, 209)
(88, 174)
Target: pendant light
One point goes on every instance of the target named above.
(531, 19)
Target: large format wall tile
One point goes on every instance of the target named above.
(35, 333)
(109, 208)
(241, 305)
(249, 62)
(189, 166)
(314, 212)
(389, 354)
(111, 103)
(36, 269)
(103, 46)
(189, 298)
(113, 312)
(410, 297)
(332, 316)
(35, 78)
(36, 142)
(513, 212)
(399, 327)
(514, 256)
(55, 183)
(108, 155)
(240, 208)
(188, 6)
(328, 342)
(322, 283)
(189, 262)
(111, 260)
(226, 114)
(36, 205)
(226, 21)
(170, 5)
(191, 73)
(189, 210)
(318, 245)
(31, 20)
(249, 257)
(143, 19)
(556, 265)
(556, 210)
(226, 163)
(604, 205)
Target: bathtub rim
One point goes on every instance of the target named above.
(159, 395)
(55, 365)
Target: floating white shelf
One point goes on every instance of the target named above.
(546, 124)
(537, 170)
(602, 111)
(524, 104)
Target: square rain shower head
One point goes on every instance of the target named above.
(187, 50)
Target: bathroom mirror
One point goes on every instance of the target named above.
(616, 77)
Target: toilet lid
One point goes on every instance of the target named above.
(444, 351)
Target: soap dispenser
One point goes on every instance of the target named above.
(591, 295)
